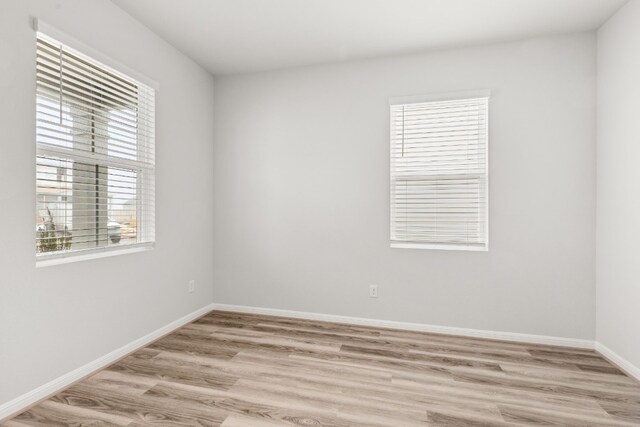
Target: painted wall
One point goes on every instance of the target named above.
(301, 189)
(55, 319)
(618, 207)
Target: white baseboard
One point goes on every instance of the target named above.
(477, 333)
(622, 363)
(21, 403)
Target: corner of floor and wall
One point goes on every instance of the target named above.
(618, 201)
(301, 231)
(298, 221)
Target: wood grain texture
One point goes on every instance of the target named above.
(241, 370)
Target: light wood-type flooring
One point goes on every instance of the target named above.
(235, 370)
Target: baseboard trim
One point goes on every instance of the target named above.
(625, 366)
(22, 403)
(476, 333)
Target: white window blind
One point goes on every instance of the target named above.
(439, 174)
(95, 185)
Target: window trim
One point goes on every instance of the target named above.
(442, 96)
(46, 259)
(58, 258)
(110, 64)
(438, 246)
(436, 97)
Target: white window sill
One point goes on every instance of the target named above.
(399, 245)
(89, 254)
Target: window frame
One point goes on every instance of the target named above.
(440, 97)
(145, 173)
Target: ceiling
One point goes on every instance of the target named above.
(239, 36)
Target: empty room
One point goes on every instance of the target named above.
(258, 213)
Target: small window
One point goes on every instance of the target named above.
(439, 174)
(94, 155)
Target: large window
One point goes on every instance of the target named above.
(94, 155)
(439, 174)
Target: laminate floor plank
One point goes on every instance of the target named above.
(81, 416)
(253, 409)
(152, 410)
(242, 370)
(536, 416)
(265, 363)
(473, 395)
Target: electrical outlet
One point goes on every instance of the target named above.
(192, 286)
(373, 291)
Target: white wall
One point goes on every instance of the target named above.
(618, 207)
(301, 189)
(55, 319)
